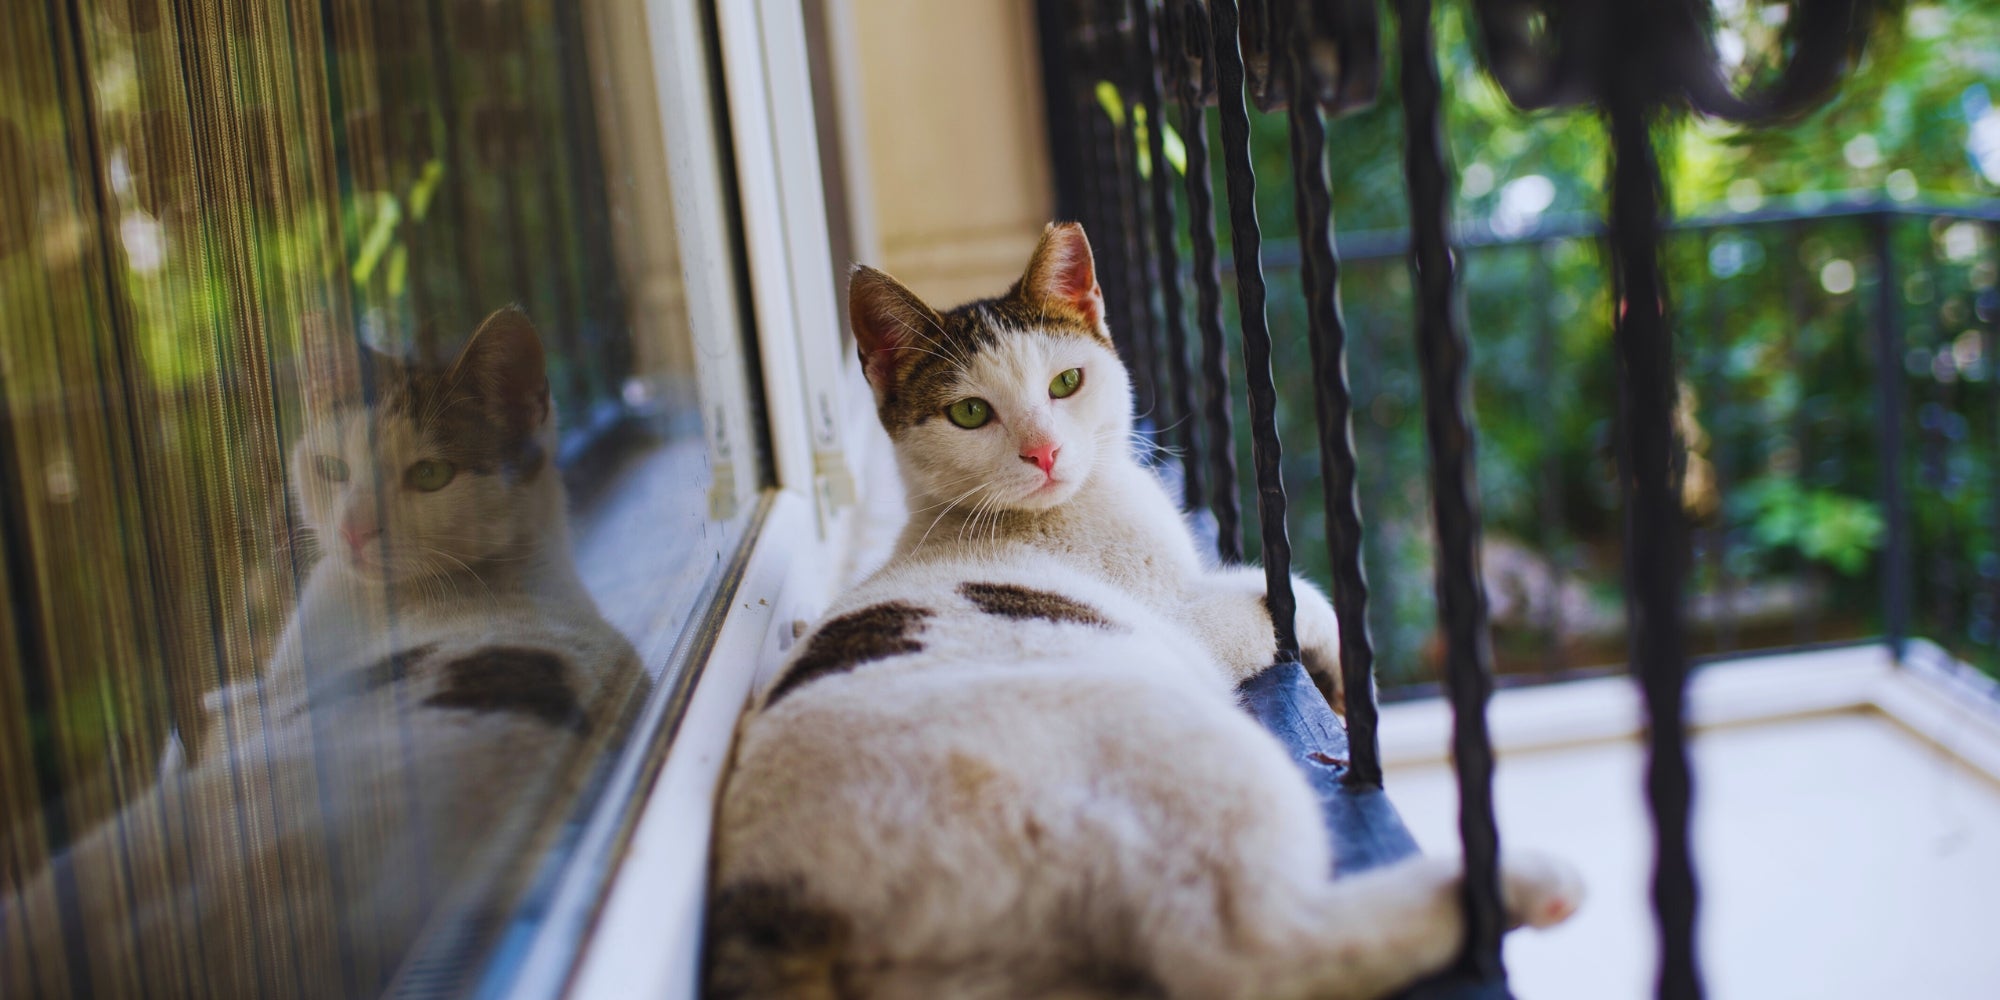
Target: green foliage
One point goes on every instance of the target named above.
(1773, 332)
(1113, 103)
(1822, 525)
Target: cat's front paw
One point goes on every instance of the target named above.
(1318, 629)
(1539, 890)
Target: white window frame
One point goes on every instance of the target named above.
(642, 934)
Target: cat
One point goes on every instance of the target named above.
(1011, 762)
(435, 699)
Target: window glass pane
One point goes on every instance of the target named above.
(362, 465)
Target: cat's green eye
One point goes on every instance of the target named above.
(1066, 384)
(970, 413)
(429, 475)
(331, 469)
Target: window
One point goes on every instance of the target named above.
(368, 459)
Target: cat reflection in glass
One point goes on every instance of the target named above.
(1011, 762)
(435, 699)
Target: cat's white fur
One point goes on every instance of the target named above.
(970, 492)
(1035, 807)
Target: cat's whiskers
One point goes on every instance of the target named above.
(945, 352)
(948, 509)
(469, 572)
(931, 320)
(305, 542)
(995, 514)
(941, 487)
(942, 341)
(972, 520)
(990, 515)
(1149, 447)
(442, 402)
(922, 350)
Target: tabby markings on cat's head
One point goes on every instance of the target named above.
(876, 632)
(1008, 402)
(1009, 600)
(408, 470)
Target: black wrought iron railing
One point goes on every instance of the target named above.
(1638, 63)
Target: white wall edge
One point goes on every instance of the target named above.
(1609, 708)
(1929, 696)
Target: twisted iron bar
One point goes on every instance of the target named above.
(1135, 264)
(1104, 192)
(1333, 401)
(1098, 221)
(1636, 61)
(1246, 240)
(1187, 20)
(1655, 532)
(1180, 390)
(1442, 357)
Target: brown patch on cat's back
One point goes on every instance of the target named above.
(765, 939)
(504, 679)
(876, 632)
(1008, 600)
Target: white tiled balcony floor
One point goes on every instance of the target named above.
(1841, 854)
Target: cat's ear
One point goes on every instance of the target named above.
(891, 325)
(503, 361)
(1062, 276)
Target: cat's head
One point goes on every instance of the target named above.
(408, 471)
(1012, 401)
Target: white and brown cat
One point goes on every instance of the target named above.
(1011, 762)
(433, 703)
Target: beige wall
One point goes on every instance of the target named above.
(953, 140)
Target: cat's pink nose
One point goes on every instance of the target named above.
(357, 535)
(1042, 456)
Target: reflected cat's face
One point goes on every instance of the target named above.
(413, 472)
(1008, 402)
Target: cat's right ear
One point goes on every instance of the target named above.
(1062, 277)
(891, 325)
(503, 362)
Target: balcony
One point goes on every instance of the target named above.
(1847, 818)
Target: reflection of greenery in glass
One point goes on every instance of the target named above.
(1774, 341)
(201, 195)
